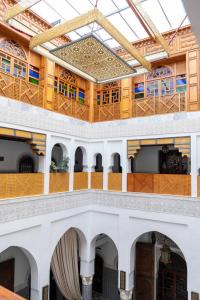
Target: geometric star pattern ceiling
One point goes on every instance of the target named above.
(91, 56)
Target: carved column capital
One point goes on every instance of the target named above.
(126, 295)
(87, 280)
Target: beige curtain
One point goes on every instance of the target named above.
(65, 266)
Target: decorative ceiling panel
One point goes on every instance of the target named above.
(91, 56)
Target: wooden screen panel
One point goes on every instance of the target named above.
(19, 185)
(80, 181)
(7, 271)
(193, 80)
(59, 182)
(97, 180)
(172, 184)
(141, 183)
(8, 295)
(115, 181)
(144, 279)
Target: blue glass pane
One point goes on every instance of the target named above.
(181, 81)
(33, 74)
(81, 94)
(139, 87)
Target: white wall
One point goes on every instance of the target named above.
(13, 151)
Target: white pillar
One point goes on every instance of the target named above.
(36, 294)
(194, 165)
(124, 166)
(71, 165)
(46, 164)
(105, 166)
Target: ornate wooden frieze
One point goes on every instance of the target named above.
(13, 48)
(37, 141)
(183, 144)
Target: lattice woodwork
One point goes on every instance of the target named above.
(70, 107)
(115, 181)
(171, 184)
(96, 180)
(19, 185)
(80, 181)
(107, 112)
(59, 182)
(13, 48)
(19, 89)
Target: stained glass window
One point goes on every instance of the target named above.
(19, 69)
(34, 75)
(152, 88)
(167, 86)
(5, 63)
(139, 90)
(81, 96)
(181, 83)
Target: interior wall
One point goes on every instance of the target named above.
(22, 267)
(13, 151)
(147, 160)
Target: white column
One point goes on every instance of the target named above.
(71, 166)
(194, 165)
(36, 295)
(124, 166)
(45, 164)
(105, 166)
(87, 273)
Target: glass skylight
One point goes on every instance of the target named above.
(165, 14)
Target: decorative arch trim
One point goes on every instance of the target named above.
(13, 48)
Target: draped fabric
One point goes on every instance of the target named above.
(65, 266)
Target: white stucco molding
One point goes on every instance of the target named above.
(22, 115)
(22, 208)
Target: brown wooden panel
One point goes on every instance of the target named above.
(115, 181)
(172, 184)
(144, 285)
(140, 182)
(19, 185)
(97, 180)
(8, 295)
(7, 272)
(80, 181)
(59, 182)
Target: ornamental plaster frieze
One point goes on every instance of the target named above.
(20, 114)
(22, 208)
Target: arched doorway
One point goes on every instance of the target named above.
(78, 166)
(18, 271)
(26, 164)
(160, 269)
(105, 281)
(65, 281)
(116, 168)
(98, 166)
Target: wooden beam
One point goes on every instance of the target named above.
(92, 16)
(122, 40)
(64, 28)
(19, 8)
(150, 24)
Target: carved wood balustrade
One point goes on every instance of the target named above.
(21, 90)
(159, 105)
(70, 107)
(107, 112)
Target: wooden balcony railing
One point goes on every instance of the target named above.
(80, 181)
(70, 107)
(107, 112)
(171, 184)
(59, 182)
(20, 89)
(19, 185)
(97, 180)
(159, 105)
(115, 181)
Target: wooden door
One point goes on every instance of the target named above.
(7, 271)
(144, 276)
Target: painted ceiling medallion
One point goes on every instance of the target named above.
(94, 58)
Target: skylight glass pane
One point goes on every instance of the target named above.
(82, 6)
(73, 36)
(174, 10)
(103, 34)
(121, 25)
(106, 6)
(120, 3)
(133, 21)
(112, 43)
(62, 8)
(154, 11)
(45, 12)
(84, 30)
(186, 22)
